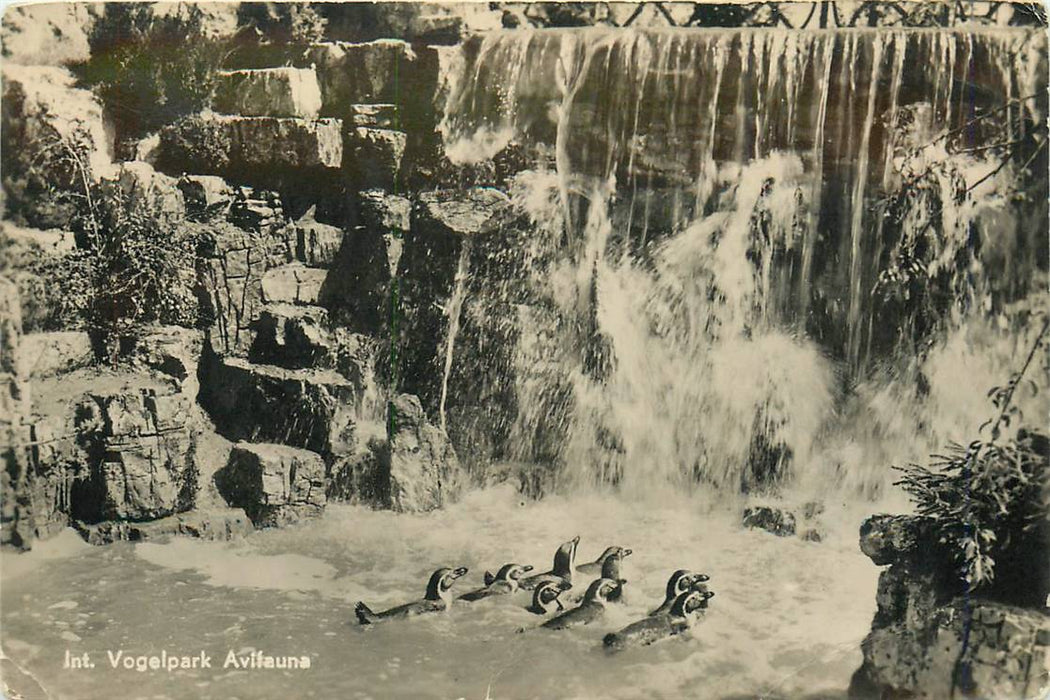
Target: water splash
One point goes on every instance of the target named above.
(709, 239)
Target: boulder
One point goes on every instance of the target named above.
(268, 92)
(207, 196)
(217, 524)
(349, 74)
(313, 409)
(359, 476)
(45, 122)
(292, 336)
(50, 34)
(423, 470)
(173, 351)
(275, 484)
(888, 538)
(141, 450)
(294, 283)
(373, 156)
(316, 243)
(778, 521)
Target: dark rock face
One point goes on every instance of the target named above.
(412, 468)
(373, 156)
(292, 336)
(275, 484)
(930, 639)
(268, 92)
(207, 196)
(15, 504)
(775, 520)
(313, 409)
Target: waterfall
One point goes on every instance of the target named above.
(714, 227)
(453, 311)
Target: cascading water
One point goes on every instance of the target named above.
(713, 218)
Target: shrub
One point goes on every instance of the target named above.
(150, 70)
(193, 144)
(988, 502)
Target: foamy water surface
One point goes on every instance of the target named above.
(787, 619)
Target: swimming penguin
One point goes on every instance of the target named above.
(545, 597)
(564, 559)
(611, 570)
(506, 581)
(438, 597)
(592, 607)
(683, 613)
(595, 567)
(680, 582)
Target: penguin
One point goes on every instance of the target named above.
(545, 597)
(595, 567)
(437, 598)
(592, 607)
(506, 581)
(611, 570)
(680, 582)
(683, 613)
(564, 559)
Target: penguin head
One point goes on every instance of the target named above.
(698, 582)
(546, 596)
(679, 583)
(690, 602)
(442, 580)
(512, 572)
(565, 557)
(613, 551)
(600, 590)
(611, 565)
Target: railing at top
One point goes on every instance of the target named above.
(826, 14)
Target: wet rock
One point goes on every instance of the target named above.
(207, 196)
(292, 336)
(778, 521)
(275, 484)
(47, 354)
(359, 477)
(268, 92)
(373, 156)
(471, 212)
(294, 283)
(888, 538)
(424, 471)
(309, 408)
(216, 524)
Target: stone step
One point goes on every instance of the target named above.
(315, 409)
(218, 524)
(242, 147)
(268, 92)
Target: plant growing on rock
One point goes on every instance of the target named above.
(151, 69)
(987, 502)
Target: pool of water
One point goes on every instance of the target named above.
(787, 619)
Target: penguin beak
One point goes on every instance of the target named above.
(563, 585)
(626, 553)
(575, 540)
(456, 573)
(622, 581)
(701, 578)
(527, 567)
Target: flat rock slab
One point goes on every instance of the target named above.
(268, 92)
(293, 284)
(356, 73)
(275, 484)
(468, 212)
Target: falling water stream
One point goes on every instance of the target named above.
(699, 331)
